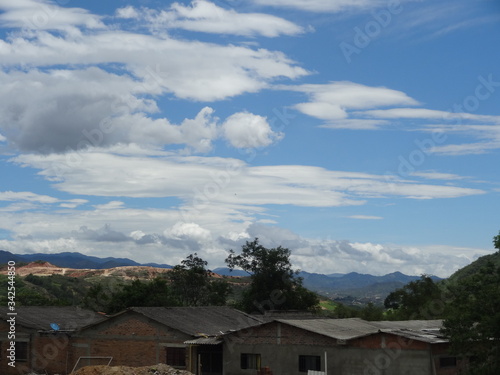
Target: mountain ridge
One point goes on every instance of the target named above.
(352, 284)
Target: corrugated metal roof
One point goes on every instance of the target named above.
(204, 341)
(348, 329)
(68, 318)
(421, 330)
(340, 329)
(416, 325)
(200, 321)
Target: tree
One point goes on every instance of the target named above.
(193, 285)
(156, 292)
(274, 284)
(419, 299)
(472, 320)
(371, 312)
(496, 241)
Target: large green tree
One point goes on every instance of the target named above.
(156, 292)
(419, 299)
(274, 284)
(472, 321)
(194, 285)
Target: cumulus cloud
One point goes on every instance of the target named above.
(58, 111)
(205, 16)
(162, 236)
(182, 230)
(246, 130)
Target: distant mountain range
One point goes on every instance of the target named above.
(75, 260)
(355, 285)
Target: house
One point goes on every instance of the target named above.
(38, 337)
(184, 337)
(340, 347)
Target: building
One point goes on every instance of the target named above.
(183, 337)
(340, 346)
(223, 341)
(42, 337)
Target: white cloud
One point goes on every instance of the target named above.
(432, 175)
(128, 12)
(199, 181)
(466, 148)
(335, 100)
(348, 105)
(333, 6)
(113, 205)
(80, 230)
(365, 217)
(45, 15)
(182, 230)
(73, 203)
(489, 134)
(423, 113)
(193, 70)
(246, 130)
(63, 110)
(355, 124)
(26, 196)
(204, 16)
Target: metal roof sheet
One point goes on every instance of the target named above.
(67, 318)
(348, 329)
(204, 341)
(200, 320)
(340, 329)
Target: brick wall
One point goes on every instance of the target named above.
(278, 333)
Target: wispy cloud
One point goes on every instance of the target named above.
(365, 217)
(205, 16)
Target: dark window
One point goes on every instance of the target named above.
(448, 362)
(250, 361)
(309, 362)
(176, 357)
(21, 351)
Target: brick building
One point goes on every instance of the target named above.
(222, 341)
(42, 339)
(184, 337)
(340, 346)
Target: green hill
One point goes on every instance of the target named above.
(473, 268)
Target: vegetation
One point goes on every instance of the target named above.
(143, 293)
(472, 318)
(274, 285)
(416, 300)
(192, 284)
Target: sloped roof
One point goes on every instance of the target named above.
(421, 330)
(67, 318)
(200, 321)
(348, 329)
(340, 329)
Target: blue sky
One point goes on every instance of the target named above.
(363, 135)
